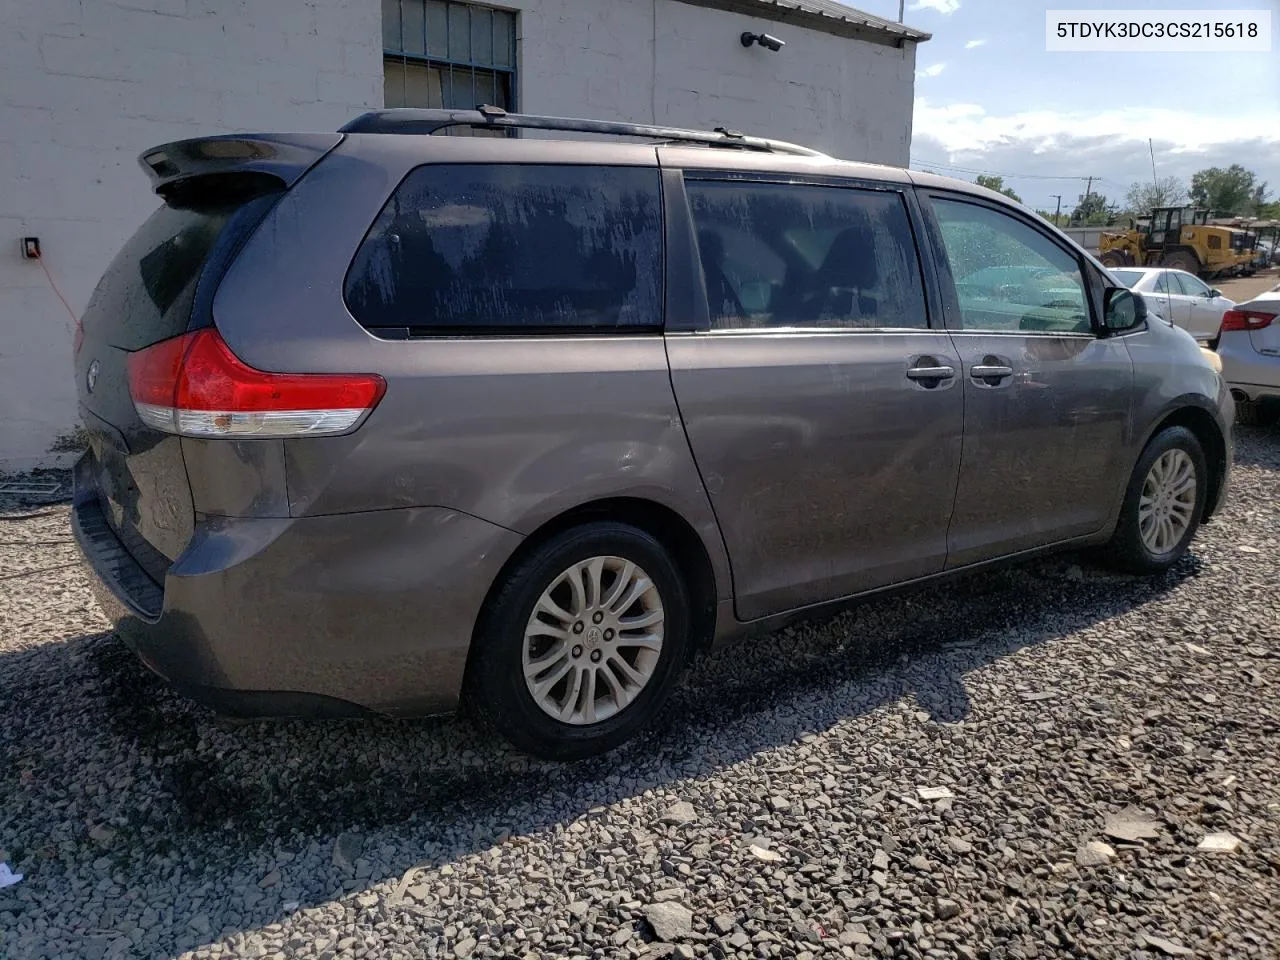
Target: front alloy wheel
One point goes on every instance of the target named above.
(1163, 503)
(1168, 501)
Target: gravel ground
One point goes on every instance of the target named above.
(1084, 732)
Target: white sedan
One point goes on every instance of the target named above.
(1178, 296)
(1249, 348)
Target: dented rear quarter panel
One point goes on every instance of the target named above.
(512, 430)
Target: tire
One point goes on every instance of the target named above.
(1181, 260)
(1257, 413)
(1114, 258)
(499, 696)
(1128, 549)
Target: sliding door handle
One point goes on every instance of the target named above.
(990, 371)
(939, 372)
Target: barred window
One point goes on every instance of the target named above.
(437, 53)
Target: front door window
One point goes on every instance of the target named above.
(1008, 276)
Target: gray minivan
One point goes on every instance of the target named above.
(387, 420)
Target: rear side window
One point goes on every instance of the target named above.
(476, 248)
(794, 255)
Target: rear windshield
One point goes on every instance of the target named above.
(475, 248)
(148, 291)
(1127, 277)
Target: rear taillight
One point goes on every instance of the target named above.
(195, 386)
(1246, 320)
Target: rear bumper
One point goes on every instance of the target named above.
(1254, 374)
(304, 617)
(1256, 391)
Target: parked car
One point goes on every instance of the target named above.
(385, 421)
(1249, 347)
(1178, 296)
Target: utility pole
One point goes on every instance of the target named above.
(1057, 213)
(901, 4)
(1087, 191)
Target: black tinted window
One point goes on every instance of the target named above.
(147, 293)
(788, 255)
(477, 247)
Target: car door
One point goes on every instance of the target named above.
(1168, 300)
(822, 409)
(1046, 400)
(1204, 307)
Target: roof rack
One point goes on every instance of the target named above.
(413, 121)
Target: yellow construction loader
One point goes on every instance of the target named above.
(1253, 240)
(1176, 237)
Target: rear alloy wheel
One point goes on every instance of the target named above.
(593, 641)
(582, 643)
(1163, 504)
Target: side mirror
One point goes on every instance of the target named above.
(1123, 310)
(1214, 292)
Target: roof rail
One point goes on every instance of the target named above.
(413, 121)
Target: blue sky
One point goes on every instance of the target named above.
(989, 97)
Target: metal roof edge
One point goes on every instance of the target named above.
(823, 16)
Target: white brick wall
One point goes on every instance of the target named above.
(86, 85)
(84, 88)
(847, 97)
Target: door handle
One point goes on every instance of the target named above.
(990, 371)
(940, 372)
(936, 373)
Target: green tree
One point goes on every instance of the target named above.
(1165, 192)
(1260, 196)
(997, 184)
(1093, 210)
(1229, 192)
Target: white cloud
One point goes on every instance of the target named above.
(1044, 152)
(931, 71)
(967, 126)
(974, 43)
(942, 6)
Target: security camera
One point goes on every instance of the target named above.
(768, 41)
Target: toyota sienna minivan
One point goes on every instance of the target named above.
(389, 421)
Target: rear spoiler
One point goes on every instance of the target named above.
(284, 157)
